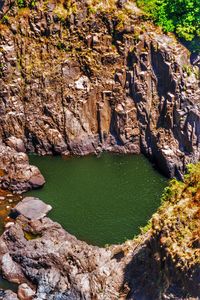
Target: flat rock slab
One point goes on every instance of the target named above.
(32, 208)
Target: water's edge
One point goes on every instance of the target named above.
(101, 200)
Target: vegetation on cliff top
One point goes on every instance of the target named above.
(179, 16)
(177, 222)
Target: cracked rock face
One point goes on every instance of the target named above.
(59, 265)
(49, 263)
(92, 83)
(16, 173)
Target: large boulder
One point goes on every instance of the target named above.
(31, 208)
(25, 292)
(16, 174)
(61, 266)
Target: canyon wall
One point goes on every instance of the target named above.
(79, 79)
(161, 263)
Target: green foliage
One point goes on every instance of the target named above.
(147, 227)
(176, 223)
(5, 20)
(179, 16)
(21, 3)
(60, 46)
(1, 74)
(91, 10)
(187, 69)
(32, 4)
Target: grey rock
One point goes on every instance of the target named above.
(32, 208)
(8, 295)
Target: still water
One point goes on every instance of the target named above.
(100, 200)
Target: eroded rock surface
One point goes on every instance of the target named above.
(77, 80)
(80, 79)
(16, 174)
(61, 266)
(50, 263)
(8, 295)
(163, 263)
(32, 208)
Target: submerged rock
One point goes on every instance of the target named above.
(31, 208)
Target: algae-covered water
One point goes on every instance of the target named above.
(100, 200)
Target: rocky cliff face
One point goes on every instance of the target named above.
(15, 172)
(82, 77)
(163, 263)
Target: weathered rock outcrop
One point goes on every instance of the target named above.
(32, 208)
(16, 173)
(163, 263)
(61, 266)
(78, 78)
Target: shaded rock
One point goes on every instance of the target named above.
(8, 295)
(31, 208)
(61, 266)
(16, 144)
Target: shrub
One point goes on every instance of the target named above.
(21, 3)
(179, 16)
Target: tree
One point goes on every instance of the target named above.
(179, 16)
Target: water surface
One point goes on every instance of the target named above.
(6, 285)
(100, 200)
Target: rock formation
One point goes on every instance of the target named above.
(31, 208)
(7, 202)
(163, 263)
(81, 77)
(15, 172)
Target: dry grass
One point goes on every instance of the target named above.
(177, 222)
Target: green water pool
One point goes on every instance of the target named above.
(100, 200)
